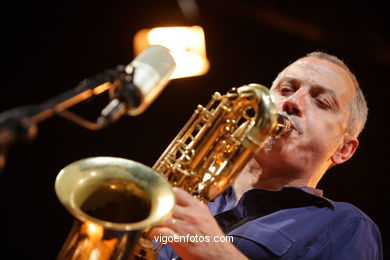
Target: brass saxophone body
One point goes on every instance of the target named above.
(116, 201)
(219, 139)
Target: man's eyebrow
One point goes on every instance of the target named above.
(291, 80)
(316, 87)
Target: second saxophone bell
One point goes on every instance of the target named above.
(113, 200)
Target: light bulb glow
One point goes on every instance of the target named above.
(187, 45)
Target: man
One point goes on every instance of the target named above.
(273, 210)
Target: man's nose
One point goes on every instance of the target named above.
(293, 105)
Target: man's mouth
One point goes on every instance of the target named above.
(294, 125)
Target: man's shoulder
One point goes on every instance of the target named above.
(348, 208)
(349, 214)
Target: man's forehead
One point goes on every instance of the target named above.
(314, 65)
(319, 71)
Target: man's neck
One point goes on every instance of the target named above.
(254, 177)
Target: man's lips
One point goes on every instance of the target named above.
(295, 125)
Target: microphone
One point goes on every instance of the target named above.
(139, 85)
(132, 89)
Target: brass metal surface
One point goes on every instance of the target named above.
(113, 200)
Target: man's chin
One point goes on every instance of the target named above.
(269, 144)
(274, 144)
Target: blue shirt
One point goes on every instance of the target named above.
(294, 223)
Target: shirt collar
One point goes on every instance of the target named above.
(314, 192)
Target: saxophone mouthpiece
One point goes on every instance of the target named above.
(283, 126)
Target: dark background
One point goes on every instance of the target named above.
(48, 47)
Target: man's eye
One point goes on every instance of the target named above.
(286, 89)
(322, 103)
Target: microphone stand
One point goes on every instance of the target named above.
(20, 123)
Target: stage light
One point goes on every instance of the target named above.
(187, 45)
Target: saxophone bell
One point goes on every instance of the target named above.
(113, 200)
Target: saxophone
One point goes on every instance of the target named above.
(219, 139)
(116, 201)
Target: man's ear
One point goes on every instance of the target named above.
(345, 151)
